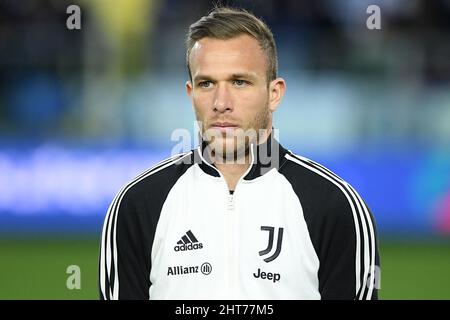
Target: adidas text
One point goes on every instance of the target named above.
(190, 246)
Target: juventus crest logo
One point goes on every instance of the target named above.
(270, 245)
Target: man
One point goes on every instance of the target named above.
(240, 217)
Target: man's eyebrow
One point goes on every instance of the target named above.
(244, 75)
(240, 75)
(202, 77)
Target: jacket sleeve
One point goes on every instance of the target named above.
(124, 264)
(348, 251)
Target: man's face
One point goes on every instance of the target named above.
(229, 91)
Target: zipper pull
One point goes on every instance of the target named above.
(230, 205)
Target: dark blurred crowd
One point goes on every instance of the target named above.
(43, 64)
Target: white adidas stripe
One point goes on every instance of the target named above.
(372, 247)
(368, 220)
(105, 253)
(174, 160)
(106, 231)
(349, 192)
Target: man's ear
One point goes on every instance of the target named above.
(277, 88)
(189, 88)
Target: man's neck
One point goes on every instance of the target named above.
(233, 171)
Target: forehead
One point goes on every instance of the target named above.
(235, 55)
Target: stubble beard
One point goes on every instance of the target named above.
(233, 146)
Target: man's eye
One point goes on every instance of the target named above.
(240, 83)
(204, 84)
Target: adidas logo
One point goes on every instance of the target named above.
(188, 242)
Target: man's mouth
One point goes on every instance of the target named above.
(224, 126)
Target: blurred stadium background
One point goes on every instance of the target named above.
(83, 111)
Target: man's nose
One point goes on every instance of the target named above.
(222, 99)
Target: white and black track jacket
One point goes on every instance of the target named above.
(291, 229)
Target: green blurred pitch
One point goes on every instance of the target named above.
(36, 269)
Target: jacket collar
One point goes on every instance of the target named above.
(264, 157)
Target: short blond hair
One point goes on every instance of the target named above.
(225, 23)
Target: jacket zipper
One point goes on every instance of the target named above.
(230, 203)
(231, 222)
